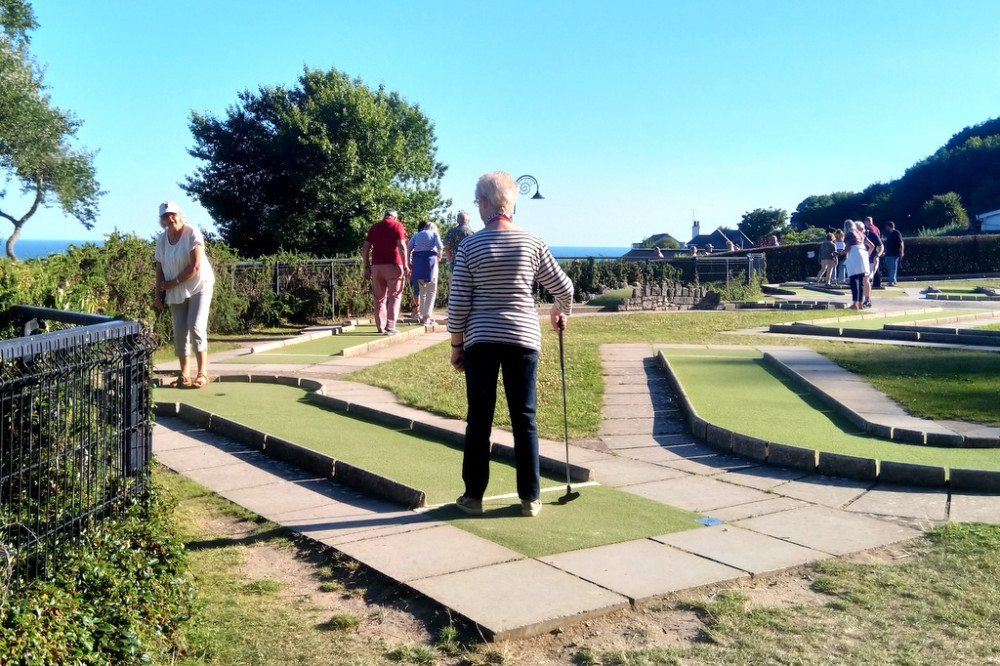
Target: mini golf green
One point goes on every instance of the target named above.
(737, 390)
(316, 351)
(600, 516)
(875, 323)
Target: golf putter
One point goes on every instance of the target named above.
(570, 494)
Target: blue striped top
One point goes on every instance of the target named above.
(491, 299)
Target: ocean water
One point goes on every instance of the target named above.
(27, 248)
(584, 252)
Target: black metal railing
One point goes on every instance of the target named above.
(75, 430)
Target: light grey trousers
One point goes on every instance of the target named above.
(191, 323)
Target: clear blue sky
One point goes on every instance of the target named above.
(636, 117)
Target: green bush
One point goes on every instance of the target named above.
(120, 595)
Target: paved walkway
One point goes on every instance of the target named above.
(767, 519)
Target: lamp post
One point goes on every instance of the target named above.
(524, 185)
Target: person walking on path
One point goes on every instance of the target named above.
(184, 281)
(875, 236)
(857, 261)
(827, 260)
(838, 241)
(455, 236)
(425, 251)
(493, 322)
(893, 252)
(386, 264)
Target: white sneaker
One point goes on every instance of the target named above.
(531, 507)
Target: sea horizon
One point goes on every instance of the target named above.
(28, 248)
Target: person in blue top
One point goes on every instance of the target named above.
(425, 251)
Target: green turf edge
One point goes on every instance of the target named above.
(601, 516)
(752, 394)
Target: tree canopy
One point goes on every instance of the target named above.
(309, 168)
(965, 172)
(35, 148)
(760, 223)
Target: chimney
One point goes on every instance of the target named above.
(696, 229)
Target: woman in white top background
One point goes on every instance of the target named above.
(184, 281)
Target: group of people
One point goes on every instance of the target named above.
(852, 256)
(493, 321)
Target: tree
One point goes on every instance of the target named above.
(309, 168)
(760, 223)
(943, 210)
(35, 149)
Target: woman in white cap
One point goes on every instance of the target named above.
(184, 281)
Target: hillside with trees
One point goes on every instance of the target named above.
(960, 180)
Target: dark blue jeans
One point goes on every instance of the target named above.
(483, 363)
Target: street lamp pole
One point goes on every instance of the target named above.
(525, 184)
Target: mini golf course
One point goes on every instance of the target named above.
(600, 516)
(317, 350)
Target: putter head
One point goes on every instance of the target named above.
(568, 497)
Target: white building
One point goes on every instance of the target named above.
(989, 222)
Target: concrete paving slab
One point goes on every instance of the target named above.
(824, 490)
(359, 527)
(640, 426)
(775, 504)
(519, 599)
(618, 472)
(202, 458)
(668, 456)
(975, 508)
(712, 465)
(742, 549)
(763, 477)
(697, 493)
(429, 552)
(643, 569)
(829, 530)
(924, 507)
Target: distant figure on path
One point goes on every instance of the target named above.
(858, 266)
(457, 235)
(827, 260)
(385, 260)
(425, 251)
(893, 251)
(838, 241)
(493, 321)
(875, 236)
(184, 281)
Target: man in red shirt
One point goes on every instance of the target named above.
(384, 256)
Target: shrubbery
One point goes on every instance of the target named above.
(121, 595)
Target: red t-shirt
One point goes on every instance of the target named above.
(383, 237)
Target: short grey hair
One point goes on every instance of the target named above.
(463, 217)
(848, 226)
(389, 212)
(499, 190)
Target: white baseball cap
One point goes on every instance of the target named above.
(169, 207)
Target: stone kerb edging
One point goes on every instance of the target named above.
(287, 342)
(822, 462)
(332, 468)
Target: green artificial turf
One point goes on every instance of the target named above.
(601, 515)
(738, 391)
(606, 516)
(315, 351)
(875, 323)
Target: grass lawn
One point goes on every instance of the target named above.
(604, 516)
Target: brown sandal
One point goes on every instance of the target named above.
(182, 381)
(201, 380)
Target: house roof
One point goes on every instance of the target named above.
(717, 239)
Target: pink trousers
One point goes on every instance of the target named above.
(387, 286)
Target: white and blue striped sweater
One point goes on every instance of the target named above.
(490, 298)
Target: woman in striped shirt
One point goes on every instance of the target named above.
(493, 321)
